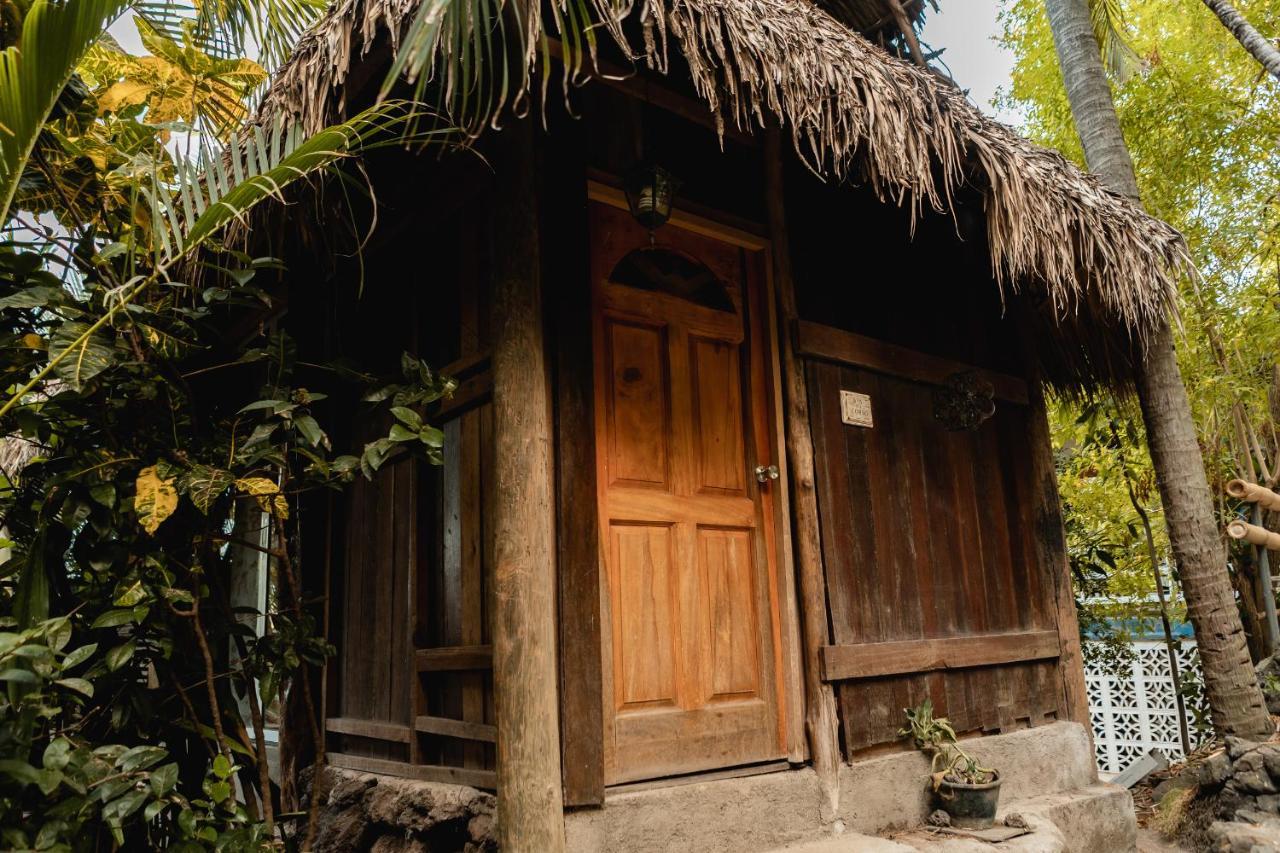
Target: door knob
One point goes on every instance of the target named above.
(765, 473)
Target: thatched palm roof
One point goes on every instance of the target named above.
(1110, 271)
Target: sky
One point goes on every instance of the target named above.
(967, 30)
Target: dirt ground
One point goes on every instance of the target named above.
(1150, 841)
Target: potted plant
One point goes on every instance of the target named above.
(965, 790)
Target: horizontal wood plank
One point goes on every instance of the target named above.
(455, 658)
(449, 727)
(486, 779)
(815, 340)
(375, 729)
(871, 660)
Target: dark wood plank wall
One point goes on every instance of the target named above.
(414, 692)
(927, 538)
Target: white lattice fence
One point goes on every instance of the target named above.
(1134, 710)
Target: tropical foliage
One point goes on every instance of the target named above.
(149, 450)
(1200, 119)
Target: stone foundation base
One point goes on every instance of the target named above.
(379, 814)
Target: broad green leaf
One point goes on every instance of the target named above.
(408, 417)
(141, 757)
(204, 485)
(79, 685)
(120, 655)
(78, 656)
(163, 779)
(113, 618)
(86, 354)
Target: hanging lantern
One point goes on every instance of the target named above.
(649, 190)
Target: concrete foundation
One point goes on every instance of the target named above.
(1049, 778)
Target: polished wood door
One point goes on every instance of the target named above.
(682, 418)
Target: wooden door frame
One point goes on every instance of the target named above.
(782, 592)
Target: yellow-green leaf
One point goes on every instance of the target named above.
(156, 499)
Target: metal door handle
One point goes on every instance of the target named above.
(765, 473)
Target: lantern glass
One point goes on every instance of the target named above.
(649, 190)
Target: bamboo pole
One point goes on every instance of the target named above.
(530, 798)
(1254, 534)
(1263, 540)
(820, 703)
(1253, 493)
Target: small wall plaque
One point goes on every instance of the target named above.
(855, 409)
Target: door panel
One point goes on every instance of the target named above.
(638, 404)
(690, 611)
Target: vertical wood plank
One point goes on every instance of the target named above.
(820, 707)
(577, 523)
(530, 814)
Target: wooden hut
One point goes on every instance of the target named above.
(719, 499)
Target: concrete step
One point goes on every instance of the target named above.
(1094, 819)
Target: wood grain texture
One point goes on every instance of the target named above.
(871, 660)
(931, 573)
(530, 813)
(819, 699)
(815, 340)
(567, 274)
(693, 649)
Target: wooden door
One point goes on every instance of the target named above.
(682, 421)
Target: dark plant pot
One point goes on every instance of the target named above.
(970, 806)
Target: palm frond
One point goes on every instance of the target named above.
(229, 28)
(470, 59)
(219, 187)
(1111, 32)
(34, 72)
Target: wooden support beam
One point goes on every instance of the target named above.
(449, 727)
(908, 32)
(454, 658)
(830, 344)
(530, 804)
(567, 269)
(909, 657)
(374, 729)
(486, 779)
(820, 703)
(1050, 536)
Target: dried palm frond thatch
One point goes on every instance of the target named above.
(1109, 271)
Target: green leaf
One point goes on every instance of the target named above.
(79, 685)
(20, 676)
(408, 417)
(204, 484)
(163, 778)
(433, 437)
(113, 618)
(78, 656)
(126, 805)
(120, 655)
(399, 433)
(87, 355)
(32, 297)
(221, 768)
(58, 753)
(310, 430)
(141, 757)
(20, 771)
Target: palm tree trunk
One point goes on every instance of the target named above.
(1235, 700)
(1252, 40)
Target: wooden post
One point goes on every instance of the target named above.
(1049, 533)
(908, 32)
(530, 807)
(820, 703)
